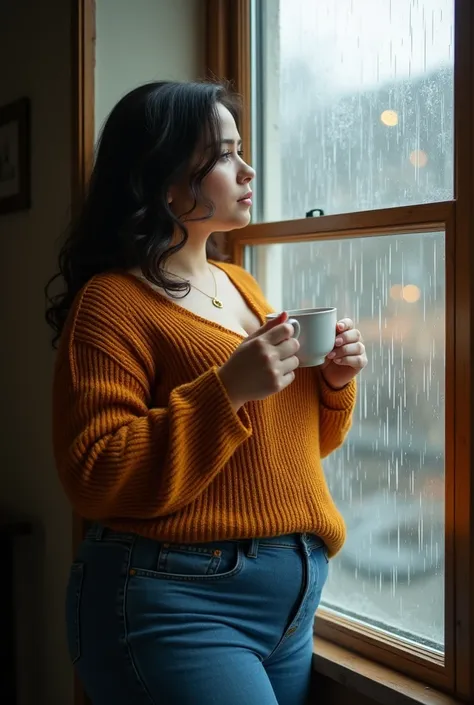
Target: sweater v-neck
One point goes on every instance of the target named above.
(249, 300)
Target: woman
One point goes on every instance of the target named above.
(183, 429)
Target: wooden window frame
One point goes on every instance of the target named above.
(457, 674)
(228, 53)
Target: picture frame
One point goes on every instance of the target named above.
(15, 168)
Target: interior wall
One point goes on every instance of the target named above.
(35, 60)
(142, 41)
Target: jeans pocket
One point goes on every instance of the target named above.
(73, 605)
(196, 562)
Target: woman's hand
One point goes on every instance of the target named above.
(347, 358)
(263, 364)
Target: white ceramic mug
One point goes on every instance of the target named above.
(315, 330)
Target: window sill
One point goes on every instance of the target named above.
(372, 680)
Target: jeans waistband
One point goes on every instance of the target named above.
(98, 532)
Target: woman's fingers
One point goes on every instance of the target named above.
(350, 349)
(289, 365)
(358, 362)
(344, 324)
(287, 348)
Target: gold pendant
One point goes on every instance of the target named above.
(217, 303)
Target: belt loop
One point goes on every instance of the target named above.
(253, 550)
(98, 532)
(305, 540)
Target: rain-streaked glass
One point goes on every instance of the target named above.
(388, 479)
(354, 101)
(353, 110)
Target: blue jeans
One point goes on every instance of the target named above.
(221, 623)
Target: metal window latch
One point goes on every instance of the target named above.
(315, 213)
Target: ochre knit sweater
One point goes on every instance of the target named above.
(146, 439)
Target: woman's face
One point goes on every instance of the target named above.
(227, 186)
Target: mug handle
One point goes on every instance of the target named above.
(296, 326)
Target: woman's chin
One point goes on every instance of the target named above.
(242, 219)
(237, 221)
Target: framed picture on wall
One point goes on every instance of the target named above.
(15, 187)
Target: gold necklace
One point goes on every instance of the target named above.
(215, 299)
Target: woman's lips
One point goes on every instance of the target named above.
(246, 200)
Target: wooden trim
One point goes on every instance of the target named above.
(228, 58)
(217, 32)
(404, 216)
(464, 261)
(379, 683)
(417, 653)
(83, 97)
(241, 67)
(83, 37)
(452, 401)
(407, 219)
(385, 650)
(228, 53)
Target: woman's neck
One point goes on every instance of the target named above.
(190, 261)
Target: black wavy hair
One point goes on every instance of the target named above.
(125, 221)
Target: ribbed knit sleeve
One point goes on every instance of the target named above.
(335, 414)
(118, 457)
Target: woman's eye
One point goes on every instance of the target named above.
(227, 155)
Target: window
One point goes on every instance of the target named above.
(357, 115)
(388, 479)
(354, 100)
(361, 111)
